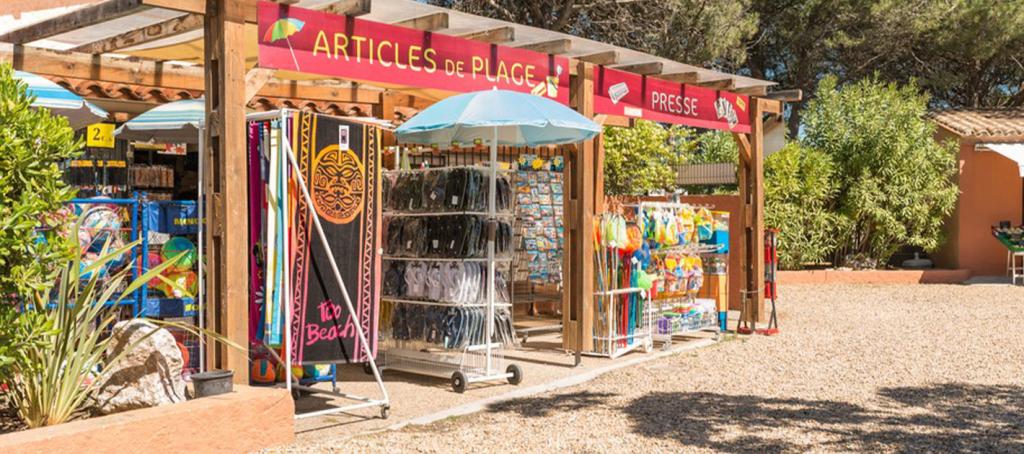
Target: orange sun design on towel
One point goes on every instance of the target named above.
(338, 184)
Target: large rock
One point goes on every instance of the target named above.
(147, 376)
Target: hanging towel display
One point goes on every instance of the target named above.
(339, 163)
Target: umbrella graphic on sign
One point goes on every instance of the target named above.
(282, 29)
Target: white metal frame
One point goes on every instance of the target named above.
(384, 403)
(640, 339)
(1015, 270)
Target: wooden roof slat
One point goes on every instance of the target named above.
(160, 30)
(755, 90)
(645, 68)
(349, 7)
(553, 46)
(683, 77)
(84, 17)
(605, 57)
(725, 83)
(496, 35)
(428, 22)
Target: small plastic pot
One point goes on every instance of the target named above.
(212, 383)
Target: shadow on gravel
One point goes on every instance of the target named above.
(939, 418)
(544, 406)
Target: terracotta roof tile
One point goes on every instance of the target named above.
(982, 122)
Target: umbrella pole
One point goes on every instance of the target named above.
(492, 231)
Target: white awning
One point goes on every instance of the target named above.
(1013, 151)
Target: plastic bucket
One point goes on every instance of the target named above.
(213, 382)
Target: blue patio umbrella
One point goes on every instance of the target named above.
(176, 122)
(60, 101)
(499, 117)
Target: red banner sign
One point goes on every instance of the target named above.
(302, 40)
(632, 95)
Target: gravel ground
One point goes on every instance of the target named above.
(925, 368)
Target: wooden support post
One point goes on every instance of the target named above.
(226, 194)
(751, 213)
(756, 232)
(385, 107)
(581, 202)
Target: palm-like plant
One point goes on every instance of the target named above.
(52, 376)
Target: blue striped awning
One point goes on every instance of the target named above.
(179, 121)
(60, 101)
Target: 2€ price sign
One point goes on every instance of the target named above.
(100, 135)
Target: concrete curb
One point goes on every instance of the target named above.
(573, 380)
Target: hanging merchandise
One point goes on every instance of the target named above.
(679, 238)
(291, 270)
(622, 298)
(314, 237)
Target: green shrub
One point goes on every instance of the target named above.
(894, 181)
(643, 158)
(62, 344)
(33, 143)
(799, 184)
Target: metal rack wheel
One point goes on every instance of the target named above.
(367, 369)
(385, 412)
(459, 382)
(517, 374)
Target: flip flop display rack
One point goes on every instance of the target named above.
(439, 315)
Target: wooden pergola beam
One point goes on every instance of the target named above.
(255, 79)
(553, 46)
(603, 58)
(145, 72)
(149, 33)
(495, 35)
(84, 17)
(427, 22)
(248, 7)
(646, 68)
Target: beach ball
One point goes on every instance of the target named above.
(176, 246)
(263, 372)
(186, 281)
